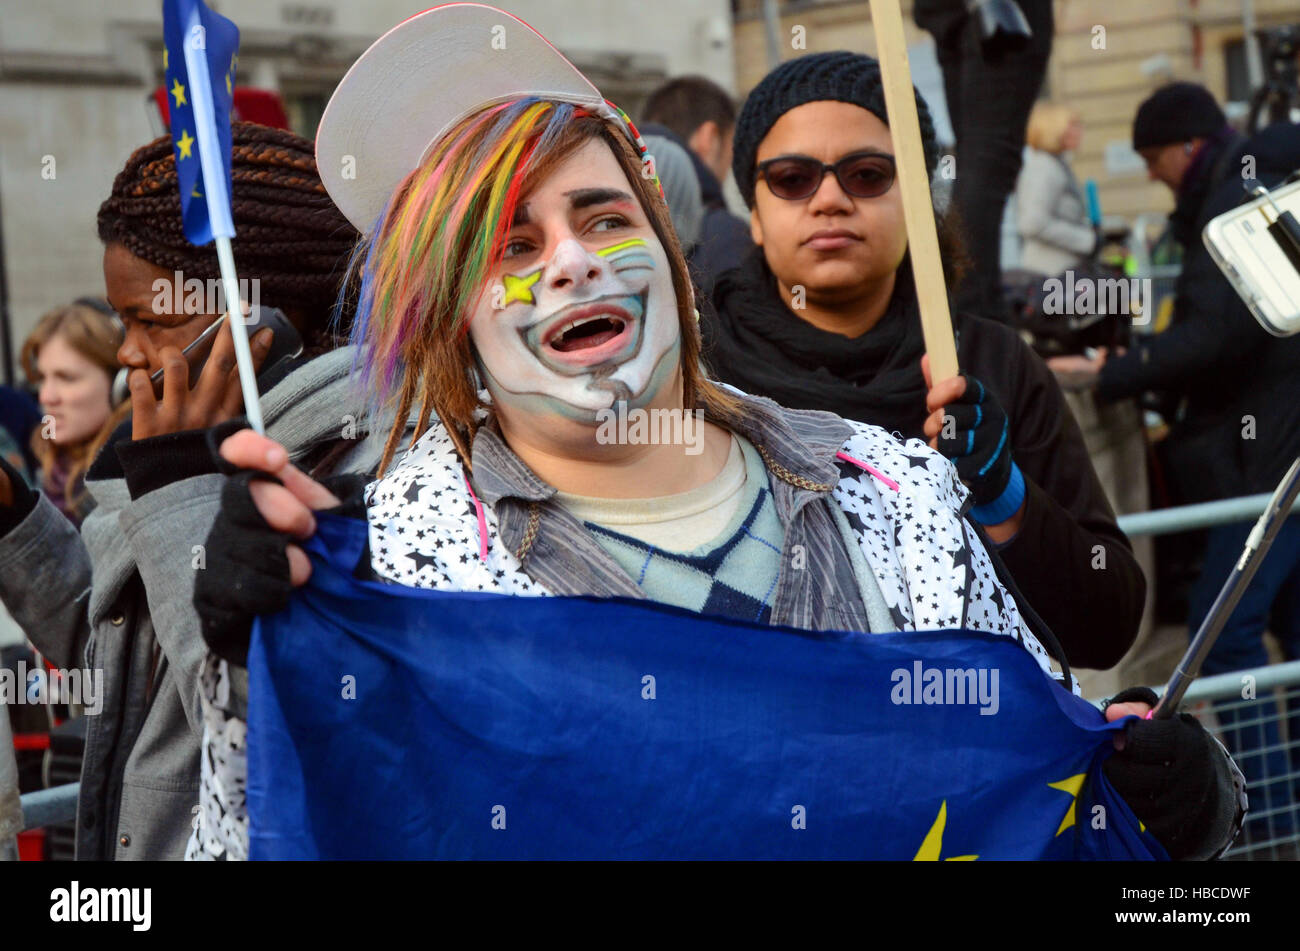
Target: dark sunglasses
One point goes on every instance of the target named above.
(796, 177)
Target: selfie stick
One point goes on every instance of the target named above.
(914, 183)
(223, 227)
(1257, 545)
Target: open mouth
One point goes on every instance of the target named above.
(585, 335)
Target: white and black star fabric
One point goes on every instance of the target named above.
(424, 530)
(933, 571)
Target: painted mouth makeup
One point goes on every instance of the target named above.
(590, 334)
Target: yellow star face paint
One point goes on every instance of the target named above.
(519, 288)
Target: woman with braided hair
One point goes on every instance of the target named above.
(117, 597)
(290, 242)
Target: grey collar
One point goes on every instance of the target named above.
(802, 442)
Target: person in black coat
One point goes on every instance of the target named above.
(823, 315)
(1238, 387)
(1215, 357)
(19, 416)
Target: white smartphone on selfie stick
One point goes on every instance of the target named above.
(1255, 263)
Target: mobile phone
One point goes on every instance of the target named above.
(286, 344)
(1255, 264)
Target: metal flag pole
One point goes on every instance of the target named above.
(1257, 545)
(223, 228)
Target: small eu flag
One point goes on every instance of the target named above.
(199, 57)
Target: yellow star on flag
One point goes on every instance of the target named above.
(520, 288)
(178, 91)
(228, 89)
(1071, 786)
(185, 143)
(932, 844)
(164, 57)
(195, 193)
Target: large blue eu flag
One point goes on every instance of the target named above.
(390, 722)
(200, 92)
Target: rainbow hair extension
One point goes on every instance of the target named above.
(443, 214)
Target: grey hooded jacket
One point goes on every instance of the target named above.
(117, 598)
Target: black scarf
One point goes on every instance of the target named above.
(754, 342)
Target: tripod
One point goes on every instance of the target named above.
(1278, 100)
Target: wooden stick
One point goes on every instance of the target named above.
(918, 210)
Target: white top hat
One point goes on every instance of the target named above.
(417, 81)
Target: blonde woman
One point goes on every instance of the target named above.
(1051, 212)
(72, 357)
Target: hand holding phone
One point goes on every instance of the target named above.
(200, 385)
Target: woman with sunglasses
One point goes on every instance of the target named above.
(823, 315)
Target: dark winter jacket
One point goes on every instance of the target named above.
(1070, 560)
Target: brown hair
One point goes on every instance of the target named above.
(95, 336)
(687, 102)
(439, 368)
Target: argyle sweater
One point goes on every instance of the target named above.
(732, 576)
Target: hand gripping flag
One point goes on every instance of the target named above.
(202, 95)
(391, 722)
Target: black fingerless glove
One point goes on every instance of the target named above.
(247, 568)
(976, 436)
(246, 571)
(1179, 781)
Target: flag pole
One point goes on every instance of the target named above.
(218, 201)
(914, 184)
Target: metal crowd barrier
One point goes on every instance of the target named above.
(1256, 713)
(1183, 518)
(48, 807)
(44, 807)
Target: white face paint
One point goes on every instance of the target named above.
(583, 313)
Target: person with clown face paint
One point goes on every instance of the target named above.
(520, 282)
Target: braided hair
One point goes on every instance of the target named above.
(288, 233)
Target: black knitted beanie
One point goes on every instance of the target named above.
(1178, 112)
(841, 77)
